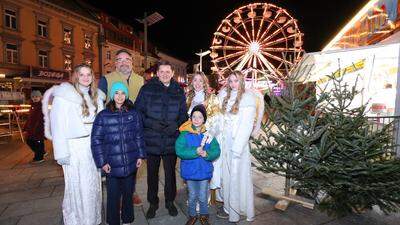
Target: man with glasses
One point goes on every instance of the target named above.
(124, 73)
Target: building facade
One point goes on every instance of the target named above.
(41, 41)
(118, 35)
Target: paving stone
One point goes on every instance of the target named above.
(140, 219)
(141, 187)
(9, 221)
(47, 166)
(58, 190)
(19, 186)
(49, 174)
(48, 218)
(10, 172)
(53, 181)
(34, 206)
(391, 219)
(263, 203)
(276, 218)
(14, 179)
(218, 221)
(168, 220)
(367, 218)
(2, 208)
(25, 195)
(308, 216)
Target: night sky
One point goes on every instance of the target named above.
(186, 28)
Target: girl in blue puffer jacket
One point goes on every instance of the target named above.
(118, 148)
(196, 162)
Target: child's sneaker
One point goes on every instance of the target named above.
(222, 214)
(191, 220)
(204, 220)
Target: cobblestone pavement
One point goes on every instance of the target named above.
(32, 195)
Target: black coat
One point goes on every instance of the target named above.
(163, 110)
(117, 139)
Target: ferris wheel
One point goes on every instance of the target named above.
(260, 36)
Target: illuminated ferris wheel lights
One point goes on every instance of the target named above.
(254, 47)
(260, 36)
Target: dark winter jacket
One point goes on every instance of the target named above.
(117, 139)
(163, 110)
(34, 126)
(193, 166)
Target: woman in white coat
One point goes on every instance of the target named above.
(239, 114)
(69, 125)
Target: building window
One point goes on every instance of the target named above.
(109, 55)
(67, 36)
(88, 41)
(42, 28)
(10, 18)
(67, 62)
(43, 59)
(12, 53)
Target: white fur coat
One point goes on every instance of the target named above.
(65, 120)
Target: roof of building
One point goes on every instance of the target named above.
(75, 7)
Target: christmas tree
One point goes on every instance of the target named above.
(326, 147)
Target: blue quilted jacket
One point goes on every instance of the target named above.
(117, 139)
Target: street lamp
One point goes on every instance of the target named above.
(148, 21)
(201, 54)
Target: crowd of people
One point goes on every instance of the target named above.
(121, 123)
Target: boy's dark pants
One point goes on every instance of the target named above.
(118, 187)
(37, 147)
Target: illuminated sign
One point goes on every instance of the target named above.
(49, 74)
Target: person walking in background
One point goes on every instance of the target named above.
(162, 104)
(196, 162)
(34, 128)
(73, 111)
(118, 148)
(123, 73)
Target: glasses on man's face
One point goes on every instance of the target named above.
(120, 60)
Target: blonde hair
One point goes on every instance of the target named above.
(92, 89)
(191, 92)
(235, 107)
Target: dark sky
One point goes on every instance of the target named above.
(187, 28)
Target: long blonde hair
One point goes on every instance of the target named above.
(92, 89)
(191, 92)
(235, 107)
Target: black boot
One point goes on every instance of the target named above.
(171, 208)
(151, 212)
